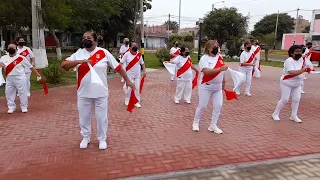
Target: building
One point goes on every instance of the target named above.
(314, 35)
(288, 39)
(156, 36)
(193, 31)
(302, 24)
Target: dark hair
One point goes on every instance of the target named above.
(93, 34)
(19, 37)
(309, 44)
(182, 50)
(246, 43)
(293, 48)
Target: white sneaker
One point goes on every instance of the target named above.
(138, 105)
(126, 102)
(188, 102)
(238, 93)
(215, 129)
(102, 145)
(84, 143)
(29, 94)
(122, 80)
(24, 110)
(296, 119)
(195, 126)
(305, 78)
(248, 94)
(275, 117)
(176, 101)
(302, 92)
(10, 111)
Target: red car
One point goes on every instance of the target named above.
(315, 55)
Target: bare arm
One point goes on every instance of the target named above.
(123, 73)
(67, 65)
(194, 68)
(33, 61)
(209, 72)
(34, 70)
(296, 72)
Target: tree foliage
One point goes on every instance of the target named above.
(173, 26)
(224, 24)
(267, 25)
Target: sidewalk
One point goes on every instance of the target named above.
(44, 143)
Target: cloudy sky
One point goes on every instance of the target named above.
(192, 10)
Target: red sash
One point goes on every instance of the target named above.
(290, 76)
(250, 60)
(84, 68)
(135, 60)
(25, 53)
(195, 80)
(13, 64)
(308, 54)
(124, 53)
(175, 54)
(219, 64)
(187, 65)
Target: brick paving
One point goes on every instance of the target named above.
(44, 144)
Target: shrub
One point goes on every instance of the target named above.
(233, 46)
(189, 45)
(53, 73)
(163, 54)
(188, 38)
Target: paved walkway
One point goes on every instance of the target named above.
(44, 144)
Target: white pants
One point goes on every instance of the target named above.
(302, 82)
(137, 81)
(173, 76)
(293, 89)
(101, 115)
(248, 73)
(206, 92)
(13, 84)
(28, 75)
(183, 86)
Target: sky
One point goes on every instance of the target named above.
(192, 10)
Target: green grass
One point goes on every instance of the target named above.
(151, 61)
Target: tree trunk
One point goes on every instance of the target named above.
(58, 46)
(136, 10)
(266, 54)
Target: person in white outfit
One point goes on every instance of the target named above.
(15, 67)
(133, 60)
(123, 49)
(290, 82)
(174, 52)
(90, 93)
(211, 83)
(256, 49)
(307, 55)
(246, 67)
(184, 76)
(28, 54)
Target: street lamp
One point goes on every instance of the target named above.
(199, 23)
(216, 3)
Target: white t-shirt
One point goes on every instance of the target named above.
(19, 69)
(123, 49)
(244, 57)
(135, 71)
(180, 61)
(27, 53)
(253, 49)
(86, 88)
(291, 64)
(173, 50)
(210, 62)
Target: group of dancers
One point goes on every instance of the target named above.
(91, 62)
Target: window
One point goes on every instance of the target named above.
(317, 16)
(315, 38)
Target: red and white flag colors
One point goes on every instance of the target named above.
(13, 64)
(175, 54)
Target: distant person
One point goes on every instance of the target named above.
(256, 50)
(290, 82)
(306, 54)
(123, 49)
(174, 52)
(242, 47)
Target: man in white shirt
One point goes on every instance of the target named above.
(133, 60)
(91, 64)
(28, 54)
(123, 49)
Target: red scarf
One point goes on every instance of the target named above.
(187, 65)
(135, 60)
(13, 64)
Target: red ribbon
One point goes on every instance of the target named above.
(230, 95)
(133, 100)
(195, 80)
(45, 87)
(141, 84)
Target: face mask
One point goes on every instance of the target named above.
(215, 50)
(303, 50)
(134, 49)
(309, 47)
(21, 43)
(297, 56)
(248, 48)
(177, 44)
(257, 43)
(87, 43)
(126, 43)
(11, 51)
(187, 53)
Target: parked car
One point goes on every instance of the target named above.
(315, 55)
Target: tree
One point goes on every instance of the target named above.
(306, 29)
(224, 24)
(267, 25)
(269, 41)
(173, 26)
(146, 6)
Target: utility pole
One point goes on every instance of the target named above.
(142, 29)
(38, 44)
(169, 26)
(200, 38)
(275, 32)
(295, 29)
(179, 15)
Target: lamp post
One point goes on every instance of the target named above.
(199, 23)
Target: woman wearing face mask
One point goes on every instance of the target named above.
(246, 67)
(306, 54)
(15, 66)
(89, 62)
(184, 76)
(290, 82)
(174, 52)
(123, 49)
(28, 54)
(211, 83)
(133, 59)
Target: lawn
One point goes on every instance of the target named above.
(151, 61)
